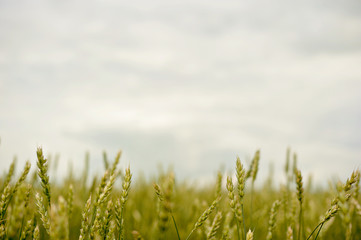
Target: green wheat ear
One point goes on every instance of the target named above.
(23, 176)
(36, 233)
(44, 216)
(241, 179)
(4, 203)
(165, 196)
(204, 217)
(215, 226)
(272, 220)
(10, 173)
(249, 235)
(85, 223)
(300, 196)
(7, 195)
(120, 203)
(43, 174)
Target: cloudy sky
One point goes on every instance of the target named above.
(190, 84)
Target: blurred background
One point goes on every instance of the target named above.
(188, 84)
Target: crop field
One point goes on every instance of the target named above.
(115, 206)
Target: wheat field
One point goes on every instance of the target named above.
(114, 206)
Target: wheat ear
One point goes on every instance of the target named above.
(36, 233)
(44, 216)
(120, 203)
(215, 226)
(249, 235)
(85, 220)
(272, 219)
(300, 191)
(203, 217)
(10, 173)
(241, 179)
(43, 174)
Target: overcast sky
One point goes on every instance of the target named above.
(191, 84)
